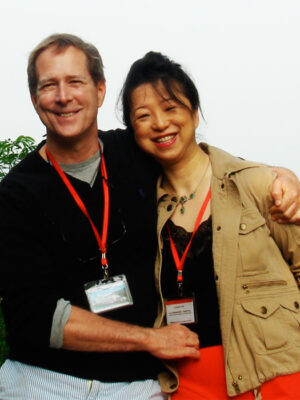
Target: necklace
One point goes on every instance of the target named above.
(184, 199)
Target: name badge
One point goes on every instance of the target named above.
(107, 295)
(181, 311)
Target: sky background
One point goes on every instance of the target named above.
(242, 54)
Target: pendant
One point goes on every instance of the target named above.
(183, 200)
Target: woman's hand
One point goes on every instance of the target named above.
(286, 196)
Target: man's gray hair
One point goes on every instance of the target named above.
(61, 41)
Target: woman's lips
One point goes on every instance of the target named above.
(166, 140)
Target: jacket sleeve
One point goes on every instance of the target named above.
(255, 188)
(27, 288)
(287, 238)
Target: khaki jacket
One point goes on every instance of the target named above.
(257, 268)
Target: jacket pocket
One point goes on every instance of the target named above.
(292, 304)
(253, 243)
(264, 284)
(270, 324)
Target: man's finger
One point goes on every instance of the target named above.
(288, 214)
(192, 353)
(295, 219)
(277, 192)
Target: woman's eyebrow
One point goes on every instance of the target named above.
(139, 107)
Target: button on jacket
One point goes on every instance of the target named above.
(257, 269)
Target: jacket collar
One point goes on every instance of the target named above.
(223, 164)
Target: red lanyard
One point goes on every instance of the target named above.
(179, 262)
(101, 242)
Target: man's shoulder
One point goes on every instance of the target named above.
(27, 165)
(115, 135)
(123, 154)
(27, 178)
(118, 143)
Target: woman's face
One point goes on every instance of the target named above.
(163, 127)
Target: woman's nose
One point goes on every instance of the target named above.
(160, 122)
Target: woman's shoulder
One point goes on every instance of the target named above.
(224, 163)
(255, 182)
(252, 179)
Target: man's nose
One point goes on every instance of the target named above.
(63, 94)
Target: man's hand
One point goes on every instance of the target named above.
(173, 341)
(286, 196)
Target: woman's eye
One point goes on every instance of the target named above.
(170, 108)
(142, 116)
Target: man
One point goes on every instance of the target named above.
(49, 250)
(56, 209)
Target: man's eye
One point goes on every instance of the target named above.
(76, 82)
(47, 85)
(170, 108)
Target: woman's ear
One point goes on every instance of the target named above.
(196, 118)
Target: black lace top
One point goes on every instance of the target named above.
(198, 278)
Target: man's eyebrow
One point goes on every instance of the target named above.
(42, 81)
(84, 78)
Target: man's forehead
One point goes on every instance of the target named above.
(54, 50)
(47, 60)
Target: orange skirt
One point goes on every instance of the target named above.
(204, 379)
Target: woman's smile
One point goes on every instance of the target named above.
(163, 127)
(165, 140)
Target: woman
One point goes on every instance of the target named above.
(223, 267)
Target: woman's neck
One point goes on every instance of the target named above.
(182, 178)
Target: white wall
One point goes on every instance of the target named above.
(242, 54)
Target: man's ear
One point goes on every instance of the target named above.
(33, 100)
(101, 88)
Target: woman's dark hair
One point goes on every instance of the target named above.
(153, 68)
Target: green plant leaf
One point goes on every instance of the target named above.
(12, 151)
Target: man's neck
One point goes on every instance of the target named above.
(71, 152)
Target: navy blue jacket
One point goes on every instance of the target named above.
(48, 251)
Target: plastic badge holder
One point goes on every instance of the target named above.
(107, 295)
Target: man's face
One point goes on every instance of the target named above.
(67, 99)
